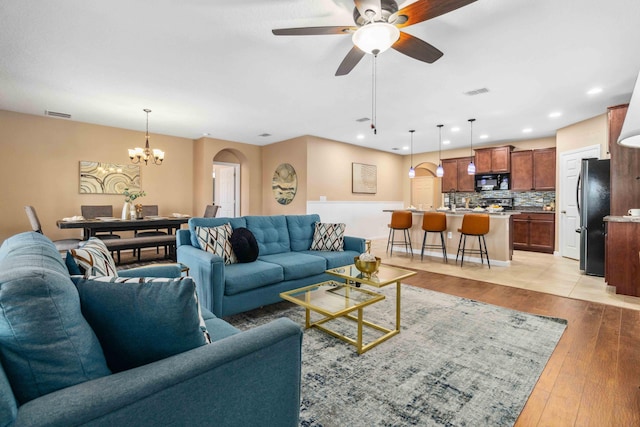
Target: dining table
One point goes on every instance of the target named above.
(93, 226)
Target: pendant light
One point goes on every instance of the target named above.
(412, 171)
(471, 169)
(440, 170)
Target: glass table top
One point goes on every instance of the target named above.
(384, 276)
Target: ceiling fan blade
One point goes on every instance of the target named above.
(314, 31)
(373, 5)
(423, 10)
(416, 48)
(350, 61)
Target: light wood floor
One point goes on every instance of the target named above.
(528, 270)
(593, 376)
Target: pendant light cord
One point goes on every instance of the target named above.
(440, 144)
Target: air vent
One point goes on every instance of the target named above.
(264, 135)
(56, 114)
(396, 149)
(477, 91)
(364, 119)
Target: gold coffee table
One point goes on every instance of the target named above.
(332, 300)
(386, 275)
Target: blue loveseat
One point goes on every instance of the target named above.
(285, 261)
(53, 371)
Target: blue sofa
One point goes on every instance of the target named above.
(48, 348)
(285, 262)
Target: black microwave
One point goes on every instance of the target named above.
(491, 182)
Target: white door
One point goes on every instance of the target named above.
(226, 189)
(569, 218)
(422, 192)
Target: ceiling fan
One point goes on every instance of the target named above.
(377, 24)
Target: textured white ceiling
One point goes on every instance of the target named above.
(215, 67)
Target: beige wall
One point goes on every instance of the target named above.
(40, 167)
(294, 152)
(594, 131)
(330, 168)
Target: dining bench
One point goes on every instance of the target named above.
(168, 241)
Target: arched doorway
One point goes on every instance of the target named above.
(226, 184)
(425, 187)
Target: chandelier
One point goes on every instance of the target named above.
(138, 155)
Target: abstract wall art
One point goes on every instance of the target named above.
(365, 178)
(108, 178)
(284, 184)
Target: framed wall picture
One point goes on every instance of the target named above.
(364, 178)
(108, 178)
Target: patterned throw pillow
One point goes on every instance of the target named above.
(142, 320)
(93, 258)
(328, 237)
(216, 240)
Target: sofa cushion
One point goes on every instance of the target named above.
(271, 232)
(335, 259)
(243, 277)
(244, 245)
(139, 323)
(301, 228)
(212, 222)
(218, 328)
(92, 259)
(216, 240)
(45, 342)
(328, 237)
(297, 265)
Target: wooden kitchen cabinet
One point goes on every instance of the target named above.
(622, 264)
(534, 232)
(455, 175)
(493, 159)
(544, 169)
(533, 170)
(625, 166)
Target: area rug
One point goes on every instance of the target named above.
(456, 362)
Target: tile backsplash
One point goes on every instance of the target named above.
(520, 198)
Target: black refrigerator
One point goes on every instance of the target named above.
(593, 194)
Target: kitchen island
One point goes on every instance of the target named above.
(499, 238)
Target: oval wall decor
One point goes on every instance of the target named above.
(284, 184)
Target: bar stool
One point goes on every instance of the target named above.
(400, 220)
(474, 225)
(434, 222)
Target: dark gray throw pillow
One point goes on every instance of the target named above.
(244, 245)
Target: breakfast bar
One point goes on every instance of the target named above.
(499, 241)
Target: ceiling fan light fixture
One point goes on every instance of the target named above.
(376, 37)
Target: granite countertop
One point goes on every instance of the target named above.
(531, 209)
(622, 218)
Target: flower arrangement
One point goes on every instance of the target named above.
(130, 196)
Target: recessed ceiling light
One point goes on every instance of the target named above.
(483, 136)
(594, 91)
(205, 134)
(455, 129)
(360, 136)
(555, 114)
(405, 148)
(527, 130)
(446, 142)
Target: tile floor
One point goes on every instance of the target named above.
(528, 270)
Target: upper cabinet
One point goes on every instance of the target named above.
(493, 159)
(455, 176)
(625, 166)
(533, 170)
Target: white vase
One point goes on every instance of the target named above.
(126, 210)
